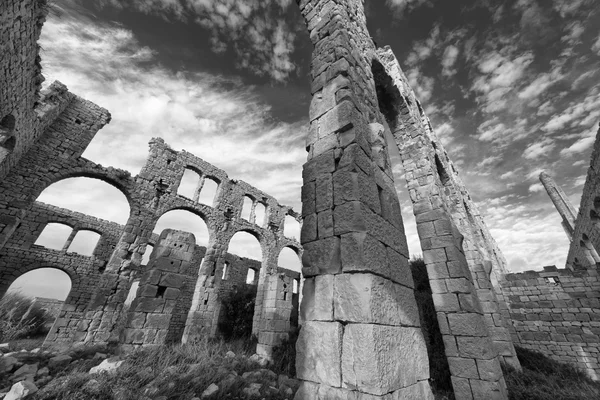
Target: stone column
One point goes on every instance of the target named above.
(199, 189)
(69, 240)
(272, 315)
(561, 202)
(361, 335)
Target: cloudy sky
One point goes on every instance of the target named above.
(511, 87)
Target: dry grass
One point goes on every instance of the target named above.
(543, 379)
(167, 372)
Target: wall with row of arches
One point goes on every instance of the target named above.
(151, 201)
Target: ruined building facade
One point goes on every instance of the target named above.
(43, 134)
(360, 336)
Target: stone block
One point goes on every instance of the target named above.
(324, 192)
(322, 256)
(309, 198)
(362, 252)
(446, 302)
(475, 347)
(309, 228)
(137, 320)
(463, 367)
(489, 390)
(172, 293)
(172, 280)
(489, 370)
(150, 305)
(367, 298)
(468, 324)
(318, 353)
(349, 217)
(379, 359)
(158, 321)
(317, 299)
(340, 118)
(319, 165)
(166, 264)
(325, 221)
(462, 389)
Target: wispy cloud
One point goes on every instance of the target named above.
(214, 117)
(256, 31)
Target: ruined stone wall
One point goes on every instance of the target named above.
(557, 312)
(20, 77)
(585, 243)
(433, 184)
(361, 334)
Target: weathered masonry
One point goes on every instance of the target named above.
(358, 292)
(43, 134)
(557, 311)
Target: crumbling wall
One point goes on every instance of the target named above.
(20, 77)
(361, 334)
(153, 316)
(585, 241)
(557, 312)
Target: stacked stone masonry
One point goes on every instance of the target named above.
(50, 130)
(584, 231)
(557, 312)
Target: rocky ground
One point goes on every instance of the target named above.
(94, 373)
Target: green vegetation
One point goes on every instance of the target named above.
(20, 317)
(543, 378)
(171, 372)
(237, 313)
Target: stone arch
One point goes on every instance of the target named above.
(246, 209)
(289, 259)
(6, 280)
(208, 190)
(125, 186)
(252, 232)
(202, 216)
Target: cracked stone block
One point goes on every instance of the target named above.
(379, 359)
(318, 353)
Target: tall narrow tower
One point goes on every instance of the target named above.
(561, 202)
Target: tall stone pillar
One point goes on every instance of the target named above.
(361, 334)
(561, 202)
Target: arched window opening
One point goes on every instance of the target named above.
(225, 275)
(188, 184)
(250, 276)
(295, 284)
(289, 259)
(244, 244)
(84, 243)
(186, 221)
(260, 213)
(247, 208)
(208, 192)
(54, 236)
(88, 196)
(291, 228)
(33, 302)
(132, 293)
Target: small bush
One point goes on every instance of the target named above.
(237, 312)
(21, 317)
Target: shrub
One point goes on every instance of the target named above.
(237, 312)
(20, 316)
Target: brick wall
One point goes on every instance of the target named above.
(557, 312)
